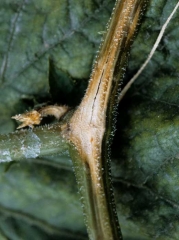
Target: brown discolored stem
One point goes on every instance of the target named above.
(88, 126)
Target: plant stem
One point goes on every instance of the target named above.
(41, 141)
(90, 126)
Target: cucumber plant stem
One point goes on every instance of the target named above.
(90, 126)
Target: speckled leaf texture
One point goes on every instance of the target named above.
(46, 54)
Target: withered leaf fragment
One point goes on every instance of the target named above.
(35, 117)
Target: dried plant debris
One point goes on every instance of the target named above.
(35, 117)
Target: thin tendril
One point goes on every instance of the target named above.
(128, 85)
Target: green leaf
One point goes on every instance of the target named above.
(41, 200)
(34, 31)
(37, 199)
(146, 168)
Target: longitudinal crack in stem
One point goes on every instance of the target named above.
(89, 123)
(96, 94)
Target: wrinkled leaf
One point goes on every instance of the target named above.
(146, 169)
(40, 201)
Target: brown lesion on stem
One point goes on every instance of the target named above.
(88, 124)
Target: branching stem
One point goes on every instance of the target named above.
(89, 128)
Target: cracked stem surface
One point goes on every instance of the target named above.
(88, 124)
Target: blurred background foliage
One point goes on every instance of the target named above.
(46, 54)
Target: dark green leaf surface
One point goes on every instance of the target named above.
(32, 32)
(40, 201)
(146, 170)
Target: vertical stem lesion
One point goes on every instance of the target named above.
(89, 127)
